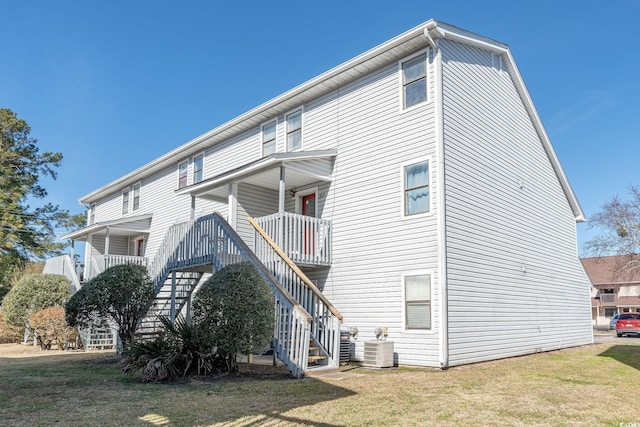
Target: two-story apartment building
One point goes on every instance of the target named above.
(412, 187)
(615, 288)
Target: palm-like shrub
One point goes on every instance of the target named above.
(180, 351)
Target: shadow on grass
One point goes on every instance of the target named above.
(627, 354)
(87, 387)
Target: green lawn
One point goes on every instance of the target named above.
(592, 385)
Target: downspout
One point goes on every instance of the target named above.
(431, 32)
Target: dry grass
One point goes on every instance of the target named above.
(592, 385)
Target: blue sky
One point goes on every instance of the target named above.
(113, 85)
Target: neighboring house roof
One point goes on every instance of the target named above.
(606, 270)
(628, 301)
(388, 52)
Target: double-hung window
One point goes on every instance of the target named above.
(198, 167)
(136, 197)
(417, 301)
(416, 188)
(125, 201)
(92, 213)
(294, 130)
(414, 81)
(269, 138)
(182, 174)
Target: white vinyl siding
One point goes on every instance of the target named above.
(92, 214)
(372, 244)
(510, 231)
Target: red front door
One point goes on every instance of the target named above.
(309, 209)
(140, 247)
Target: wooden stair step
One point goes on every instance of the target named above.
(316, 358)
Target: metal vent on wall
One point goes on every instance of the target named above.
(378, 354)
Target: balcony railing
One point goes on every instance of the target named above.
(306, 240)
(608, 299)
(98, 264)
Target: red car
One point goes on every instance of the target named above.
(628, 323)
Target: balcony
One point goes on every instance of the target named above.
(306, 240)
(608, 300)
(97, 264)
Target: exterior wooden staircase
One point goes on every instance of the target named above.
(307, 326)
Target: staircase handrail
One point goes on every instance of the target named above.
(325, 331)
(314, 289)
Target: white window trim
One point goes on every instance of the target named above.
(193, 168)
(129, 203)
(300, 194)
(431, 331)
(427, 53)
(132, 197)
(430, 212)
(92, 214)
(178, 178)
(135, 245)
(275, 120)
(286, 130)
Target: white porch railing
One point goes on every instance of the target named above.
(305, 239)
(97, 264)
(325, 326)
(608, 298)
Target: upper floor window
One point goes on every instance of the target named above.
(417, 301)
(125, 201)
(136, 197)
(182, 174)
(269, 138)
(414, 80)
(416, 188)
(92, 213)
(294, 130)
(198, 166)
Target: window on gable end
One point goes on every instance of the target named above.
(414, 81)
(416, 188)
(269, 138)
(417, 301)
(92, 214)
(294, 130)
(125, 201)
(182, 174)
(136, 197)
(198, 168)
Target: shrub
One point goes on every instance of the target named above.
(50, 327)
(235, 311)
(34, 292)
(8, 334)
(179, 352)
(122, 293)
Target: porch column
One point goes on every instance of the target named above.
(71, 252)
(172, 312)
(281, 196)
(233, 205)
(106, 241)
(281, 192)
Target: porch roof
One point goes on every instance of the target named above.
(126, 226)
(302, 168)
